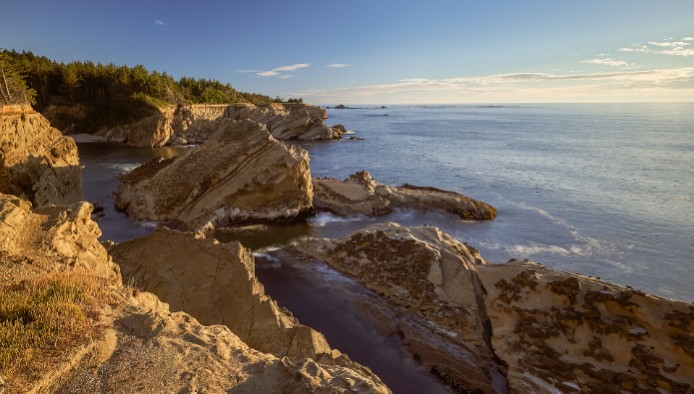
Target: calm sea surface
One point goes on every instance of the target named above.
(602, 190)
(605, 190)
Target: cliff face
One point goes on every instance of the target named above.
(194, 124)
(154, 130)
(36, 161)
(110, 337)
(241, 174)
(360, 194)
(551, 331)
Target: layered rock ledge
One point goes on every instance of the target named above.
(241, 174)
(360, 194)
(194, 124)
(546, 331)
(36, 161)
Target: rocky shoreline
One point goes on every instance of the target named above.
(177, 310)
(195, 123)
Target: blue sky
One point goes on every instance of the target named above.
(380, 51)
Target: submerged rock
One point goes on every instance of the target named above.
(240, 175)
(36, 161)
(546, 331)
(361, 194)
(127, 340)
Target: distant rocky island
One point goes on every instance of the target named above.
(179, 311)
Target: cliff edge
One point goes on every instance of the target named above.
(36, 161)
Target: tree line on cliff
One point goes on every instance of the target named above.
(109, 94)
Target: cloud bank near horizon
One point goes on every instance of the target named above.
(521, 87)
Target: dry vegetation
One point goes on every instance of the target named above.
(43, 318)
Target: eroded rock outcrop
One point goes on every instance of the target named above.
(563, 332)
(36, 161)
(150, 131)
(241, 174)
(216, 284)
(431, 283)
(360, 194)
(129, 341)
(194, 124)
(552, 331)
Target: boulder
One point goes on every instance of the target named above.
(240, 175)
(36, 161)
(360, 194)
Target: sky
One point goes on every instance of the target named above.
(382, 51)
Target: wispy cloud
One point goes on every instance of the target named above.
(160, 22)
(668, 46)
(606, 61)
(337, 65)
(281, 71)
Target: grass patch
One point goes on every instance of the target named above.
(45, 317)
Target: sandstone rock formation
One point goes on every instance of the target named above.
(36, 161)
(313, 110)
(552, 331)
(130, 341)
(361, 194)
(150, 131)
(196, 123)
(216, 284)
(563, 332)
(241, 174)
(431, 282)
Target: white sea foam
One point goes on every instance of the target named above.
(148, 224)
(123, 167)
(269, 260)
(533, 249)
(324, 218)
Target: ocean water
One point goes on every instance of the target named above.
(605, 190)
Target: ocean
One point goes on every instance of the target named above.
(605, 190)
